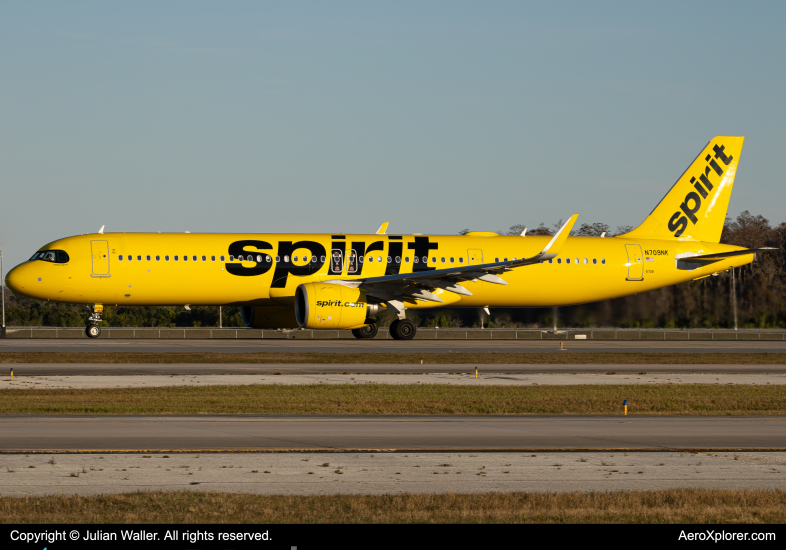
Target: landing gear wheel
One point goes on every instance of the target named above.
(369, 331)
(403, 329)
(93, 331)
(392, 330)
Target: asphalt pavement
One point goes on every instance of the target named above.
(349, 433)
(393, 346)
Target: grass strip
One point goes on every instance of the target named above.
(418, 399)
(703, 506)
(544, 358)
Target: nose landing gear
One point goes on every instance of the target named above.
(93, 329)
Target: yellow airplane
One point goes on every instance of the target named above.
(338, 281)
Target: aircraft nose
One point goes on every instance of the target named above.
(15, 280)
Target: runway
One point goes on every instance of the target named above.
(196, 369)
(61, 433)
(392, 346)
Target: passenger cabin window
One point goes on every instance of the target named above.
(415, 260)
(204, 258)
(461, 260)
(158, 258)
(222, 258)
(594, 261)
(379, 259)
(148, 257)
(130, 257)
(185, 258)
(231, 258)
(559, 260)
(586, 261)
(193, 258)
(139, 258)
(176, 257)
(389, 259)
(406, 259)
(120, 257)
(603, 261)
(166, 258)
(213, 258)
(278, 258)
(451, 260)
(433, 260)
(443, 259)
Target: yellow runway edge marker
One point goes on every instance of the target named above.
(625, 406)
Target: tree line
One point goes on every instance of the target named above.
(706, 303)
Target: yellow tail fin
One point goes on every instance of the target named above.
(695, 207)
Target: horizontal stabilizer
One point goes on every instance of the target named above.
(730, 254)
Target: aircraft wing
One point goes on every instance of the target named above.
(419, 285)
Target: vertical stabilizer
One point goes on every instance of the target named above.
(695, 207)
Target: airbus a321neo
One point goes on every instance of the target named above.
(337, 281)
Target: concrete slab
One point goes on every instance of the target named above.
(331, 473)
(457, 379)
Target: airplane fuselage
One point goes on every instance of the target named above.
(206, 269)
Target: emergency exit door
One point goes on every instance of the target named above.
(474, 256)
(635, 262)
(100, 251)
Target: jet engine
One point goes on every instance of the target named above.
(268, 317)
(330, 306)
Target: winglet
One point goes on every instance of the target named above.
(382, 228)
(101, 231)
(559, 239)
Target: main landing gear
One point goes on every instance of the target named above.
(369, 331)
(403, 329)
(93, 329)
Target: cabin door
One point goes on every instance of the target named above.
(635, 262)
(100, 251)
(474, 256)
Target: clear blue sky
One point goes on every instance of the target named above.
(337, 116)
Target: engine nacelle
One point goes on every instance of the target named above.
(268, 317)
(330, 306)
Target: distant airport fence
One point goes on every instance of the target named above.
(422, 334)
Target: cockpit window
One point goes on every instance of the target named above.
(54, 256)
